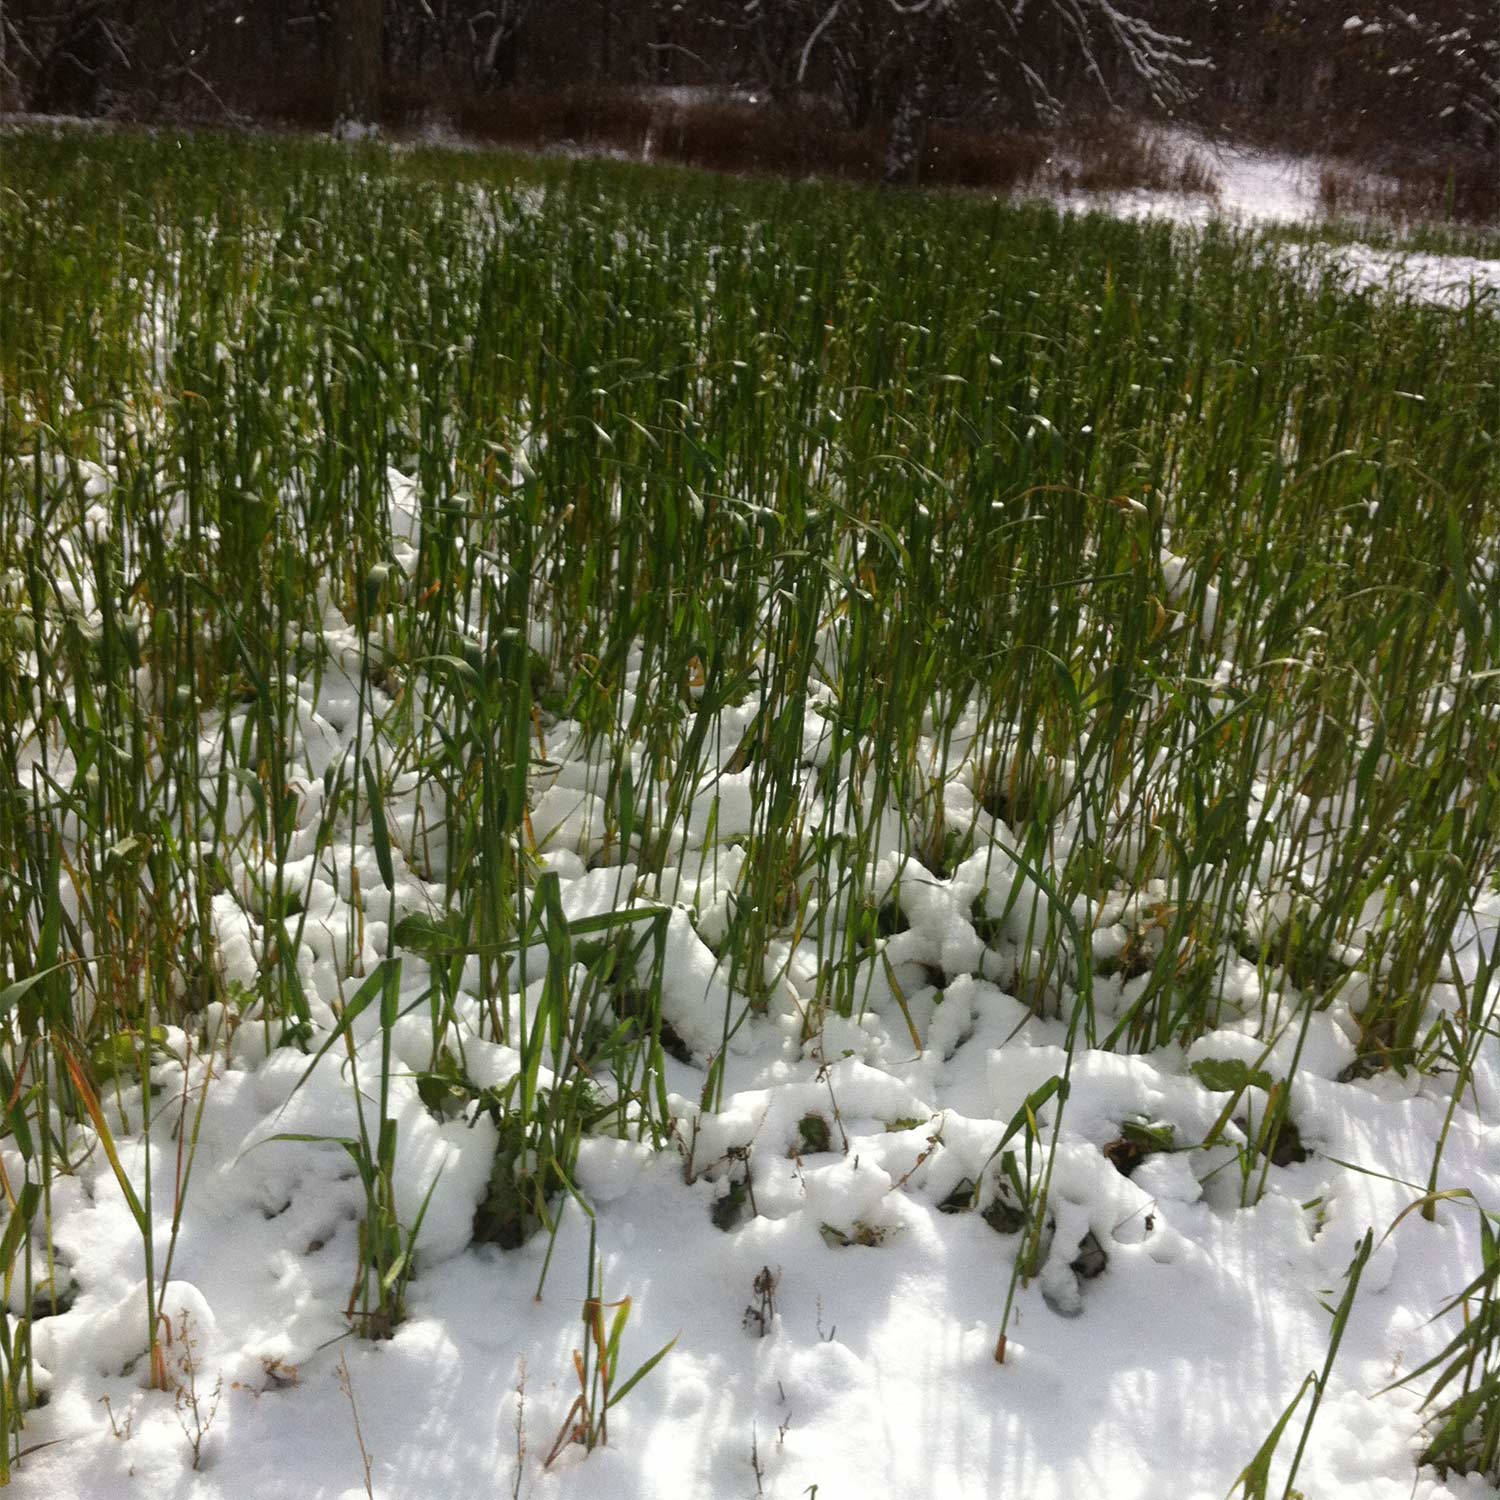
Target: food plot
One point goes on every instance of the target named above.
(678, 838)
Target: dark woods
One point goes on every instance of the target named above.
(957, 90)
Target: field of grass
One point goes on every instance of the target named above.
(520, 659)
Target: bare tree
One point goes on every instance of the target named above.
(357, 43)
(1442, 63)
(76, 50)
(494, 34)
(911, 62)
(1409, 84)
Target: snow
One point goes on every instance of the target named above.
(1257, 186)
(1158, 1375)
(875, 1372)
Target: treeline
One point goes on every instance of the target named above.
(1398, 82)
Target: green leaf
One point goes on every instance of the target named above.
(114, 1055)
(615, 1397)
(1025, 1118)
(616, 1332)
(1153, 1135)
(457, 666)
(1230, 1075)
(17, 1227)
(106, 1138)
(1254, 1481)
(379, 829)
(419, 933)
(12, 994)
(363, 998)
(355, 1148)
(393, 1272)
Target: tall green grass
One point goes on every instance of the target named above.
(1155, 571)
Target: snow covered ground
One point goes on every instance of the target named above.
(834, 1333)
(1158, 1375)
(1258, 186)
